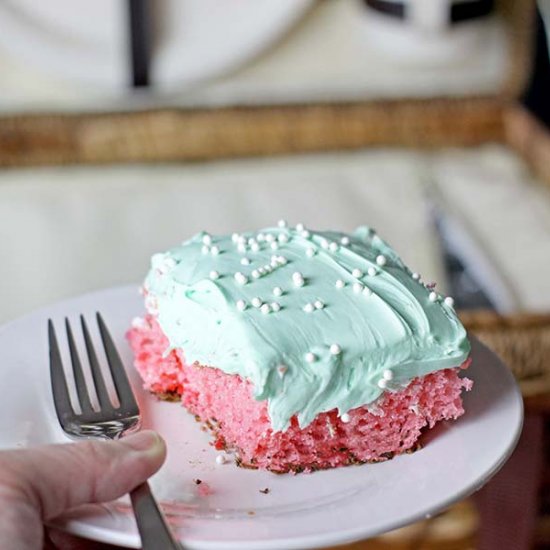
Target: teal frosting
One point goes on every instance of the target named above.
(317, 346)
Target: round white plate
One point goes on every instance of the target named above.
(303, 511)
(194, 39)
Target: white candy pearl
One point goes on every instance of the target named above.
(260, 237)
(255, 274)
(241, 278)
(333, 247)
(432, 296)
(345, 418)
(305, 234)
(357, 273)
(282, 238)
(206, 239)
(265, 309)
(318, 304)
(277, 291)
(344, 241)
(220, 459)
(256, 302)
(335, 349)
(311, 357)
(308, 308)
(382, 383)
(241, 247)
(449, 301)
(274, 246)
(269, 238)
(298, 279)
(282, 223)
(241, 305)
(367, 291)
(214, 251)
(416, 276)
(235, 237)
(282, 260)
(340, 283)
(358, 287)
(214, 275)
(325, 244)
(300, 227)
(387, 374)
(275, 306)
(255, 247)
(245, 261)
(372, 271)
(205, 249)
(262, 270)
(381, 260)
(310, 252)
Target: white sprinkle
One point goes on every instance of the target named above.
(245, 261)
(214, 275)
(319, 304)
(311, 357)
(277, 291)
(358, 287)
(298, 279)
(275, 306)
(269, 238)
(325, 244)
(235, 237)
(308, 308)
(344, 241)
(206, 239)
(282, 238)
(241, 239)
(333, 247)
(220, 459)
(282, 223)
(372, 271)
(214, 251)
(267, 268)
(274, 263)
(449, 301)
(205, 249)
(357, 273)
(262, 270)
(335, 349)
(387, 374)
(382, 383)
(310, 252)
(241, 247)
(340, 283)
(241, 278)
(306, 234)
(345, 418)
(255, 274)
(241, 305)
(255, 247)
(381, 260)
(139, 322)
(251, 241)
(265, 309)
(282, 260)
(416, 276)
(367, 291)
(274, 246)
(260, 237)
(281, 370)
(300, 227)
(256, 302)
(432, 296)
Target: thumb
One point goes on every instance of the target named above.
(55, 478)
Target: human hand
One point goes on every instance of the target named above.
(39, 484)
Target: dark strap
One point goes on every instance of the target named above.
(460, 11)
(140, 41)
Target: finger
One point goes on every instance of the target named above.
(55, 478)
(64, 541)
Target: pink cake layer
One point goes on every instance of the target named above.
(225, 403)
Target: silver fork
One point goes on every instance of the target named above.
(108, 421)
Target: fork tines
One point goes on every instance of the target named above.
(64, 408)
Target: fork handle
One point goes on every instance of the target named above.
(153, 529)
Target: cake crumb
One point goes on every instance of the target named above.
(197, 481)
(265, 491)
(251, 513)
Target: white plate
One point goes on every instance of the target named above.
(303, 511)
(194, 39)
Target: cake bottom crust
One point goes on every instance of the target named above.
(239, 423)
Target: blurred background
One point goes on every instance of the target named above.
(127, 126)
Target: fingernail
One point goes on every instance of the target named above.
(146, 440)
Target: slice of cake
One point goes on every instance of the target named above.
(300, 349)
